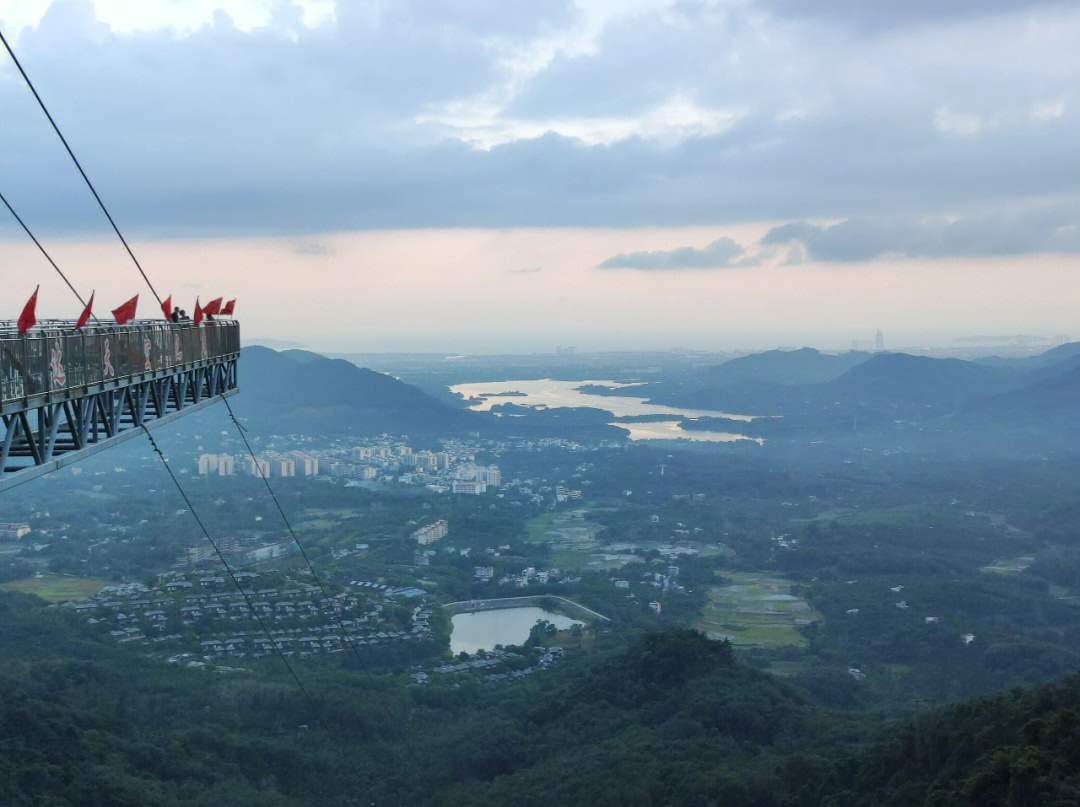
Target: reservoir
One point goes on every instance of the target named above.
(547, 392)
(482, 630)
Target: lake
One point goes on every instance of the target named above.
(482, 630)
(547, 392)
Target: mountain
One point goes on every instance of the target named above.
(1013, 749)
(293, 386)
(805, 366)
(674, 719)
(1045, 359)
(1051, 405)
(884, 383)
(900, 381)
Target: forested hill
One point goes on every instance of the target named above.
(902, 381)
(673, 719)
(287, 388)
(804, 366)
(987, 406)
(1021, 748)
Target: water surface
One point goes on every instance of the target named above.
(482, 630)
(547, 392)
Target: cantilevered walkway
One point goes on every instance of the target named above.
(65, 394)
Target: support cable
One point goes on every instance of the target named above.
(255, 615)
(318, 580)
(78, 165)
(52, 263)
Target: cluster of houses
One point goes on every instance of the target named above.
(549, 657)
(205, 607)
(527, 577)
(492, 658)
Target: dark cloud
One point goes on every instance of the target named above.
(292, 130)
(719, 254)
(1055, 230)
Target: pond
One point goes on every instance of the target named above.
(482, 630)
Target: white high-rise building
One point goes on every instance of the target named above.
(259, 467)
(306, 465)
(489, 475)
(221, 464)
(281, 466)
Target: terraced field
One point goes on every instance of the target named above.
(570, 535)
(755, 610)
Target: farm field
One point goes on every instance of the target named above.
(56, 587)
(755, 610)
(571, 537)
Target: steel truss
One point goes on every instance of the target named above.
(50, 435)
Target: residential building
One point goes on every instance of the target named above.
(430, 533)
(221, 464)
(259, 467)
(306, 464)
(13, 530)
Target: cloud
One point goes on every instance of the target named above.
(717, 255)
(313, 248)
(532, 270)
(424, 114)
(876, 16)
(1054, 230)
(957, 123)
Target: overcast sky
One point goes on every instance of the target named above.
(522, 173)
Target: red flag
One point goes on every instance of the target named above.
(84, 317)
(228, 309)
(166, 307)
(197, 318)
(28, 317)
(125, 313)
(213, 307)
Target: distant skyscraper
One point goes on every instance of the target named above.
(879, 340)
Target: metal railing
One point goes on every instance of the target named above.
(53, 361)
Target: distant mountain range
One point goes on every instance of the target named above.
(1038, 395)
(1047, 358)
(805, 366)
(901, 381)
(296, 386)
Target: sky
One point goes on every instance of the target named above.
(514, 175)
